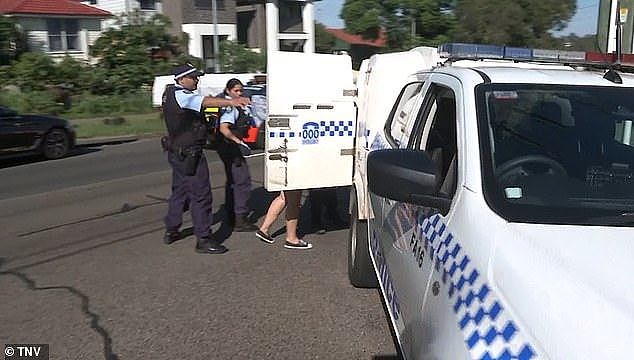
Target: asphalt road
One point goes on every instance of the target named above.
(83, 268)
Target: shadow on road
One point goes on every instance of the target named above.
(386, 357)
(259, 202)
(23, 159)
(261, 199)
(85, 307)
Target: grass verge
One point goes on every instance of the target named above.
(138, 124)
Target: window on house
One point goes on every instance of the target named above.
(206, 4)
(63, 34)
(147, 4)
(291, 19)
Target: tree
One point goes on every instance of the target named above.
(579, 43)
(12, 41)
(408, 23)
(514, 23)
(324, 41)
(127, 53)
(236, 58)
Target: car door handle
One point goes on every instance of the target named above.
(279, 122)
(278, 157)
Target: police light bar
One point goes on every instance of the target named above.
(456, 51)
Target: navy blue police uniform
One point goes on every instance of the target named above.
(238, 184)
(191, 187)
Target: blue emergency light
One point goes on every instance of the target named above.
(482, 52)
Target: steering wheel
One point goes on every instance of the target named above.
(517, 167)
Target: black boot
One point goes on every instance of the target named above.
(171, 236)
(207, 245)
(243, 225)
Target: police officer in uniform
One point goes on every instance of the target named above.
(234, 124)
(187, 133)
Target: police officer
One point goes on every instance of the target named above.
(234, 124)
(187, 132)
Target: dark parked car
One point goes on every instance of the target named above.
(46, 135)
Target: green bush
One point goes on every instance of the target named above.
(84, 105)
(33, 71)
(34, 102)
(236, 58)
(89, 105)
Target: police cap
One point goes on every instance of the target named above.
(186, 70)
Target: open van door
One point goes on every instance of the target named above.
(310, 128)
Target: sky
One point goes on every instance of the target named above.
(584, 21)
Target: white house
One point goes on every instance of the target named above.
(57, 27)
(122, 7)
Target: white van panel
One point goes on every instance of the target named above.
(311, 124)
(379, 85)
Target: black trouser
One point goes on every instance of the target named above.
(322, 199)
(238, 184)
(193, 191)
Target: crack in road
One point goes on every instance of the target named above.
(85, 308)
(124, 208)
(72, 253)
(85, 240)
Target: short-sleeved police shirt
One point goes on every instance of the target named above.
(187, 99)
(231, 114)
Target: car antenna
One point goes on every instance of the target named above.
(612, 75)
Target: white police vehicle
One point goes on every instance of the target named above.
(501, 205)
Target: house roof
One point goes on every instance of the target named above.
(50, 7)
(351, 39)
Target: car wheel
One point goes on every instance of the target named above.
(360, 269)
(55, 144)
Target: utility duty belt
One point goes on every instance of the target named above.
(190, 155)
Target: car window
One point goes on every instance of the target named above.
(396, 125)
(558, 154)
(435, 133)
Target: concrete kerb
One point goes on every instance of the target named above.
(106, 140)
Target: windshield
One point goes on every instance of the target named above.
(558, 154)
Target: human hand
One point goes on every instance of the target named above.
(245, 150)
(241, 102)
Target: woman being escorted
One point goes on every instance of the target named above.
(291, 200)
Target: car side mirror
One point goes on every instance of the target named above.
(407, 176)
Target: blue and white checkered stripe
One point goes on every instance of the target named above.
(284, 134)
(336, 128)
(488, 330)
(326, 128)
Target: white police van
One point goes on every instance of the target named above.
(501, 206)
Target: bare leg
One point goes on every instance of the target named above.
(293, 199)
(274, 211)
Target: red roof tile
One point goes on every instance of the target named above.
(342, 35)
(50, 7)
